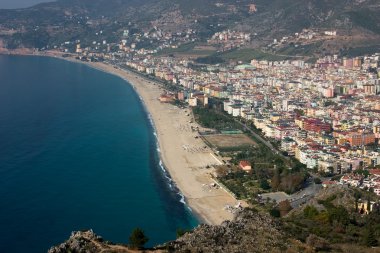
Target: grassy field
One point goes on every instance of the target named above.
(195, 49)
(195, 53)
(181, 49)
(192, 49)
(229, 141)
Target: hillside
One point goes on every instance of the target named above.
(327, 223)
(357, 21)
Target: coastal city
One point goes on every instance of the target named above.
(195, 126)
(325, 114)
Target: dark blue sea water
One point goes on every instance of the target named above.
(77, 151)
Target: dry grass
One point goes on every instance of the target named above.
(228, 141)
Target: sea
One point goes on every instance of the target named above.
(78, 151)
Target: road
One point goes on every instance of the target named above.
(305, 194)
(297, 199)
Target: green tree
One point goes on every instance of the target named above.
(292, 182)
(356, 205)
(357, 196)
(264, 184)
(276, 180)
(339, 214)
(180, 232)
(137, 239)
(369, 237)
(275, 212)
(317, 180)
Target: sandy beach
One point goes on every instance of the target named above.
(184, 156)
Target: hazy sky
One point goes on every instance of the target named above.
(12, 4)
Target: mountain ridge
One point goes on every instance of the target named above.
(358, 20)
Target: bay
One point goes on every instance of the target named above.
(77, 151)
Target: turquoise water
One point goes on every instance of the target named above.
(77, 151)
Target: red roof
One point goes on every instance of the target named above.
(374, 172)
(244, 163)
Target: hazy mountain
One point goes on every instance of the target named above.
(71, 19)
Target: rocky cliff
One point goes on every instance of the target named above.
(327, 223)
(251, 231)
(87, 241)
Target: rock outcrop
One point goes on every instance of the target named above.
(87, 242)
(251, 231)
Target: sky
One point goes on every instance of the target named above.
(13, 4)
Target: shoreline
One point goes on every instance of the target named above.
(161, 164)
(184, 158)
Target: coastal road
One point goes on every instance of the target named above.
(301, 197)
(297, 199)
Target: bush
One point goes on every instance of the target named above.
(339, 214)
(180, 232)
(275, 212)
(369, 237)
(317, 242)
(310, 212)
(137, 239)
(264, 184)
(284, 207)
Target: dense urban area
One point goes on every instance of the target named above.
(324, 114)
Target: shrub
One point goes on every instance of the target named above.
(137, 239)
(310, 212)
